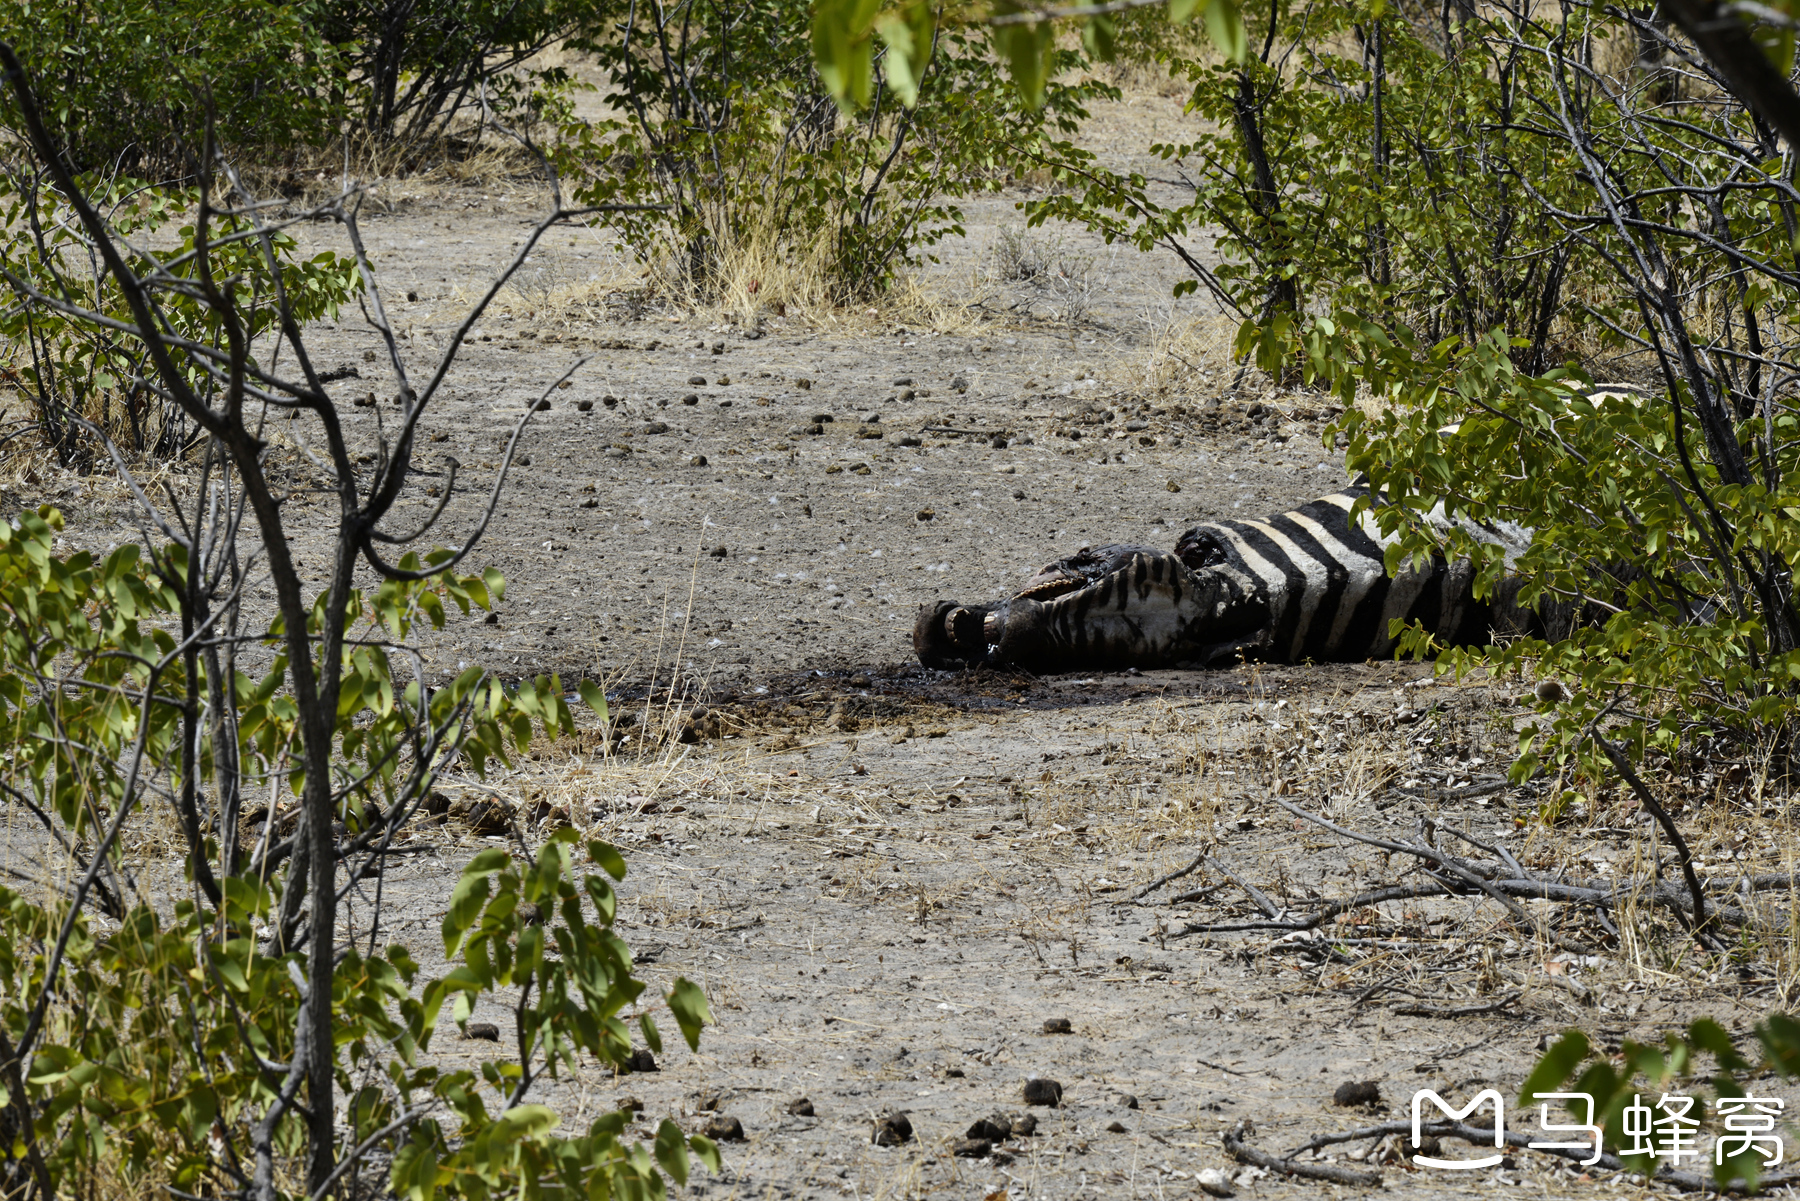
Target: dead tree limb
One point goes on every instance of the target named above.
(1243, 1153)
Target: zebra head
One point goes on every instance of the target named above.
(1107, 607)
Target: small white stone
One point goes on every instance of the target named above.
(1215, 1183)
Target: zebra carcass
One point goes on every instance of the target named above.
(1307, 584)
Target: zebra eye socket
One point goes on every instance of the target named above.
(1201, 552)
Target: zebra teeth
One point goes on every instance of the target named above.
(1050, 589)
(966, 630)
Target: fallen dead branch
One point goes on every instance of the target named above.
(1483, 1136)
(1459, 1011)
(1502, 879)
(1243, 1153)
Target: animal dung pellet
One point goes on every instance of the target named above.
(542, 406)
(1127, 1101)
(1116, 1127)
(640, 1060)
(1042, 1091)
(805, 385)
(486, 1031)
(723, 1129)
(994, 1129)
(584, 406)
(697, 461)
(629, 1105)
(698, 381)
(718, 552)
(891, 1130)
(1058, 1026)
(690, 399)
(1357, 1092)
(657, 427)
(1024, 1125)
(926, 514)
(709, 1101)
(724, 381)
(823, 419)
(904, 381)
(972, 1148)
(800, 1107)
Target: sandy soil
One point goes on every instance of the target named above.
(887, 879)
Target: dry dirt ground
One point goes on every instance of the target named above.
(888, 880)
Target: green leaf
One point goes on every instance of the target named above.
(1709, 1036)
(1556, 1066)
(688, 1004)
(1780, 1036)
(1225, 26)
(595, 698)
(707, 1152)
(605, 856)
(652, 1036)
(671, 1151)
(1027, 49)
(908, 34)
(415, 1170)
(840, 43)
(530, 1121)
(1099, 37)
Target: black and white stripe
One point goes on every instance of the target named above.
(1307, 584)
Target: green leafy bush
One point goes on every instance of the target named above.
(77, 369)
(762, 181)
(135, 85)
(169, 1039)
(1349, 161)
